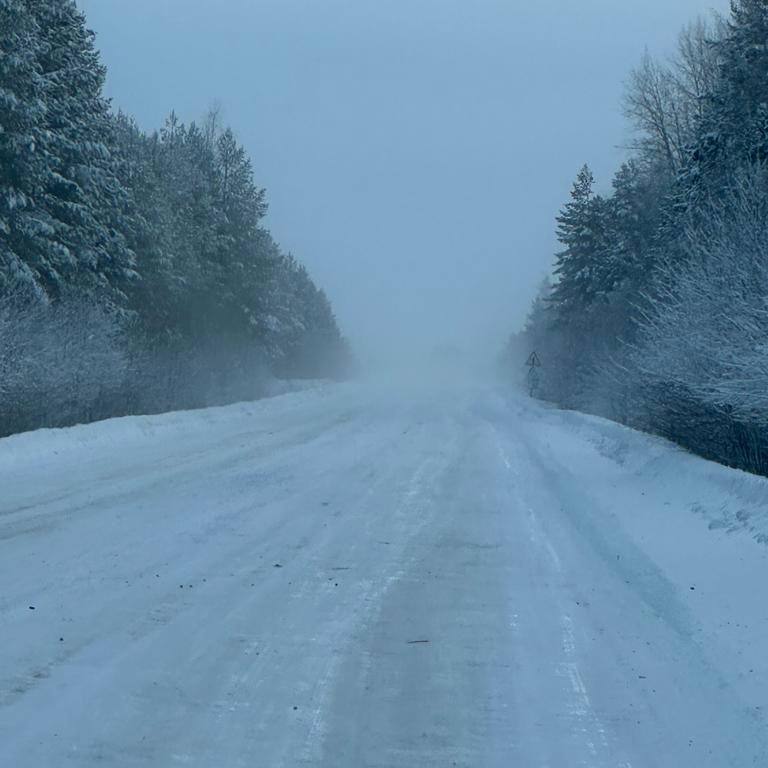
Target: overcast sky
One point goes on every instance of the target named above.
(415, 152)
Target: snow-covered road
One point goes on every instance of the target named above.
(349, 578)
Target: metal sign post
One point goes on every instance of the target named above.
(533, 364)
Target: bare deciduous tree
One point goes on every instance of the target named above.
(665, 101)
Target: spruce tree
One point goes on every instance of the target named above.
(739, 113)
(733, 130)
(23, 225)
(87, 206)
(580, 230)
(633, 214)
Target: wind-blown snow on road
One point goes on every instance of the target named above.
(348, 578)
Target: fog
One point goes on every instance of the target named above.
(414, 153)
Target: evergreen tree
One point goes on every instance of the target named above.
(81, 194)
(578, 266)
(23, 225)
(675, 265)
(739, 113)
(733, 130)
(632, 223)
(156, 296)
(242, 206)
(157, 286)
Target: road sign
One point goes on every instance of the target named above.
(533, 360)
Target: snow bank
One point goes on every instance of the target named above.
(126, 432)
(727, 498)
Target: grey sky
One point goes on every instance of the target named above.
(415, 152)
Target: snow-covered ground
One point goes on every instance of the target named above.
(345, 577)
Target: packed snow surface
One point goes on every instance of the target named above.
(347, 578)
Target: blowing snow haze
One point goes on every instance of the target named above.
(508, 544)
(414, 153)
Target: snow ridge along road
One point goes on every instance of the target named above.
(348, 578)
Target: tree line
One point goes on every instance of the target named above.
(656, 314)
(136, 274)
